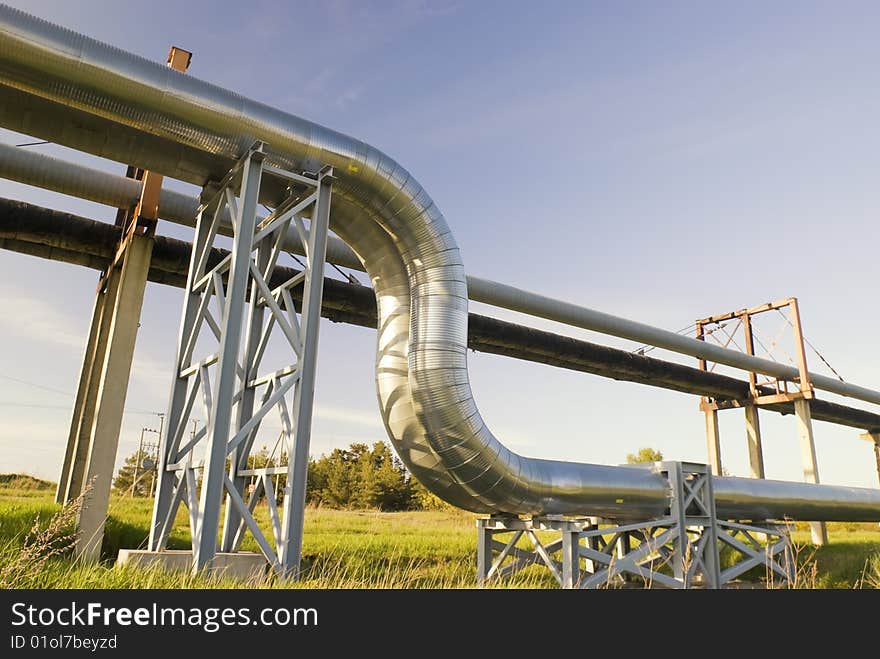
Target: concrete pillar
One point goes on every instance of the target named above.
(73, 434)
(877, 456)
(874, 438)
(713, 441)
(753, 436)
(76, 455)
(110, 400)
(818, 530)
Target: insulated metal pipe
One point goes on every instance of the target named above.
(120, 192)
(58, 175)
(73, 90)
(60, 236)
(516, 299)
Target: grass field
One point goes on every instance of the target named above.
(342, 549)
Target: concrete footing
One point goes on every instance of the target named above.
(247, 566)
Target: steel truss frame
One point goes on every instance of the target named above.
(594, 553)
(775, 553)
(240, 392)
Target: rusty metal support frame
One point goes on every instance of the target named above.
(758, 398)
(142, 219)
(782, 395)
(90, 455)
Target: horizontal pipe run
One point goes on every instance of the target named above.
(117, 191)
(121, 192)
(59, 236)
(541, 306)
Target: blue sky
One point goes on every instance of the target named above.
(663, 162)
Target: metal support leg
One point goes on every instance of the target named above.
(681, 546)
(710, 553)
(111, 397)
(97, 415)
(624, 545)
(571, 559)
(818, 530)
(170, 484)
(484, 552)
(753, 436)
(297, 475)
(220, 420)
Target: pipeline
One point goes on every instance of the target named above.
(101, 187)
(120, 192)
(73, 90)
(59, 236)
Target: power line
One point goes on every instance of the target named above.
(813, 348)
(63, 407)
(127, 410)
(642, 350)
(34, 384)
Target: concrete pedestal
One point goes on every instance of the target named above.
(247, 566)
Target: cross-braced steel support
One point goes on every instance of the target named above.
(678, 550)
(757, 544)
(235, 389)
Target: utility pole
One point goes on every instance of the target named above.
(137, 462)
(155, 468)
(153, 450)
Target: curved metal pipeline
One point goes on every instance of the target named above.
(76, 91)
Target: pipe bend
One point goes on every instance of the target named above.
(76, 91)
(379, 209)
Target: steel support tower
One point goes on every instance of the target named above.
(234, 387)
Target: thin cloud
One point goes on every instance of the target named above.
(37, 320)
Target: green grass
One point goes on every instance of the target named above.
(346, 549)
(850, 560)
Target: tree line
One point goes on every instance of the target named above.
(358, 477)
